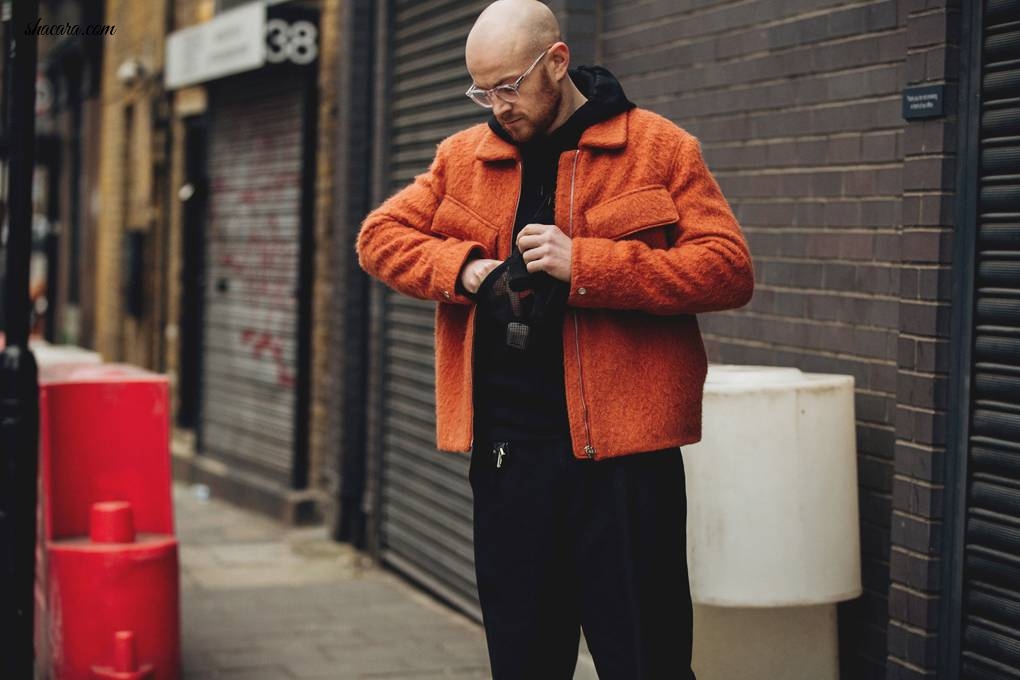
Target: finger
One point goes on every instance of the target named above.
(536, 253)
(481, 272)
(530, 241)
(478, 280)
(531, 230)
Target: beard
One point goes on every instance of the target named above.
(528, 126)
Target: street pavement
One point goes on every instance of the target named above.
(261, 601)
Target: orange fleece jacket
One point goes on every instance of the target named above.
(634, 360)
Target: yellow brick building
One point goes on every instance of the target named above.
(241, 327)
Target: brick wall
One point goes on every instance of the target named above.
(846, 209)
(322, 442)
(578, 27)
(127, 190)
(932, 56)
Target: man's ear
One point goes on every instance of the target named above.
(559, 58)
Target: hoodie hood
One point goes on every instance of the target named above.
(606, 99)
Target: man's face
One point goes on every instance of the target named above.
(535, 109)
(534, 112)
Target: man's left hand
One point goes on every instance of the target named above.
(546, 249)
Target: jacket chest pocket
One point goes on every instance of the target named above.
(646, 214)
(456, 220)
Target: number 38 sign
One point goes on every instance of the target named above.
(293, 41)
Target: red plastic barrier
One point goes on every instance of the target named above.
(109, 439)
(101, 588)
(110, 562)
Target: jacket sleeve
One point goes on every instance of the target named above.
(396, 245)
(707, 269)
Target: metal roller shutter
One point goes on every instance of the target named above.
(426, 528)
(249, 337)
(991, 617)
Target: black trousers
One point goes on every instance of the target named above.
(563, 544)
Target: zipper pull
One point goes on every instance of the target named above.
(500, 452)
(590, 450)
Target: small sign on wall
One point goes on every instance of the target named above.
(925, 101)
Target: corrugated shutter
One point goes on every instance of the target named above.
(426, 527)
(991, 623)
(253, 248)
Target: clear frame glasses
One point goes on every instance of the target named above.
(508, 93)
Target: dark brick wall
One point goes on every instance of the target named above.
(578, 27)
(845, 207)
(932, 56)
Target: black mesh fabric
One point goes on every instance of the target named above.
(521, 302)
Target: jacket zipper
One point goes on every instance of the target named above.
(517, 206)
(588, 448)
(513, 221)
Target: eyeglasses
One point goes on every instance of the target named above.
(508, 93)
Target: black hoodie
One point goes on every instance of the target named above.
(521, 392)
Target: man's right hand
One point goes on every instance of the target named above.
(474, 273)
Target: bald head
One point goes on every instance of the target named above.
(508, 33)
(504, 46)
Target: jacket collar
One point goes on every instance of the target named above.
(608, 134)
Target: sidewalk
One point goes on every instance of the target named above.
(261, 601)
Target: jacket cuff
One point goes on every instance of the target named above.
(447, 282)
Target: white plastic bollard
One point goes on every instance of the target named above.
(772, 522)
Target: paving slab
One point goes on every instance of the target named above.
(263, 601)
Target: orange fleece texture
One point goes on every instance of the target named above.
(633, 358)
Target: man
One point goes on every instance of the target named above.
(569, 242)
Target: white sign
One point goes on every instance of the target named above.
(231, 42)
